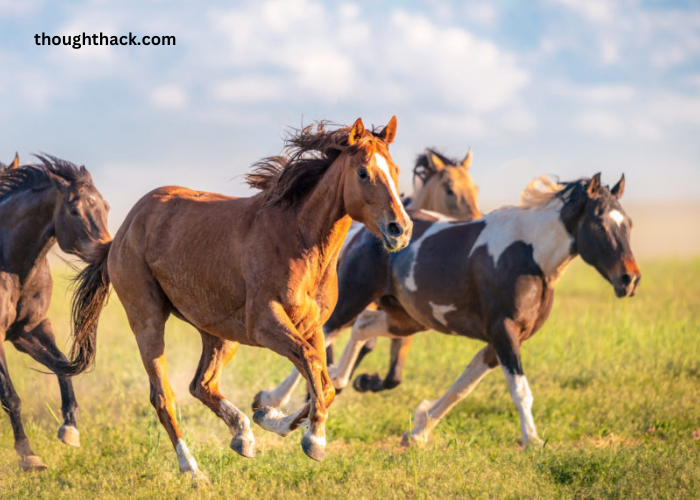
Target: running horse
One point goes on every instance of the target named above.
(440, 185)
(259, 271)
(491, 279)
(53, 201)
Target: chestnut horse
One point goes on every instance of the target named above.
(491, 279)
(258, 271)
(440, 185)
(42, 204)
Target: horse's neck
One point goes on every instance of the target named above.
(543, 229)
(27, 223)
(322, 218)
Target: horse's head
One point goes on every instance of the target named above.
(601, 231)
(80, 219)
(370, 191)
(445, 186)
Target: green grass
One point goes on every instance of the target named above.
(616, 386)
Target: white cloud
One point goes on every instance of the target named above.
(248, 89)
(600, 123)
(519, 120)
(466, 71)
(648, 130)
(169, 97)
(599, 94)
(481, 13)
(594, 10)
(608, 52)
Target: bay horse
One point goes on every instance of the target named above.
(41, 204)
(491, 279)
(440, 185)
(259, 271)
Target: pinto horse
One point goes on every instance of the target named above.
(440, 185)
(40, 205)
(491, 279)
(259, 271)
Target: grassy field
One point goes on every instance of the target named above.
(616, 386)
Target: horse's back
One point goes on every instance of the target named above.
(184, 241)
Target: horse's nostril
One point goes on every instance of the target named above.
(394, 229)
(626, 279)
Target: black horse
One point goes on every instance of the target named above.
(39, 205)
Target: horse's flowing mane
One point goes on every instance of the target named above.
(424, 169)
(37, 176)
(309, 151)
(542, 192)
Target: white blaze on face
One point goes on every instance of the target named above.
(617, 216)
(384, 168)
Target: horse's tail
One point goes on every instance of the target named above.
(90, 296)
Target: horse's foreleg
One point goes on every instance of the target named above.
(13, 406)
(216, 353)
(507, 345)
(369, 324)
(277, 332)
(280, 395)
(40, 343)
(428, 414)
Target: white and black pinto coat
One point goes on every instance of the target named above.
(491, 279)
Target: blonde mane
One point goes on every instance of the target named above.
(540, 193)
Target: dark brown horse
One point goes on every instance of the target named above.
(440, 185)
(491, 279)
(54, 201)
(260, 271)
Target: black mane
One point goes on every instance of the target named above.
(37, 176)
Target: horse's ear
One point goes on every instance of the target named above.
(15, 162)
(594, 186)
(388, 134)
(435, 162)
(358, 129)
(619, 188)
(59, 182)
(467, 162)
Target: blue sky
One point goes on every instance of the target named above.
(565, 87)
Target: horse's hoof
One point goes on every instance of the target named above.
(409, 440)
(200, 479)
(261, 414)
(534, 443)
(30, 463)
(69, 435)
(315, 448)
(365, 382)
(263, 399)
(244, 447)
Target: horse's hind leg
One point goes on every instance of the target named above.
(428, 413)
(13, 406)
(216, 353)
(373, 382)
(40, 343)
(147, 309)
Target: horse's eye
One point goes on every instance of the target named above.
(362, 174)
(73, 211)
(599, 226)
(449, 191)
